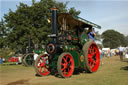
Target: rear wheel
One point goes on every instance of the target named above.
(41, 65)
(65, 65)
(28, 59)
(92, 56)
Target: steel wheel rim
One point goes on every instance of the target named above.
(29, 59)
(93, 57)
(42, 62)
(67, 65)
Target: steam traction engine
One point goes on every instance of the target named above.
(28, 58)
(70, 47)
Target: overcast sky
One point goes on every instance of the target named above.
(109, 14)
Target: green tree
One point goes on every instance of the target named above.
(126, 38)
(3, 33)
(73, 11)
(32, 20)
(113, 39)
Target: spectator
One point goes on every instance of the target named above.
(1, 60)
(19, 59)
(101, 57)
(121, 53)
(126, 55)
(35, 55)
(103, 53)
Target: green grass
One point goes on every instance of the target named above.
(8, 63)
(112, 72)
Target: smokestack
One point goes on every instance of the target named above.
(54, 22)
(29, 44)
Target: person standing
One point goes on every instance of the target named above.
(35, 56)
(121, 53)
(19, 59)
(101, 56)
(126, 55)
(1, 60)
(91, 34)
(103, 53)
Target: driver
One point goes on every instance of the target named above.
(91, 34)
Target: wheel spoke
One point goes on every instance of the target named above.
(65, 60)
(68, 69)
(62, 69)
(90, 64)
(94, 49)
(70, 61)
(89, 56)
(94, 62)
(71, 66)
(93, 53)
(64, 65)
(44, 70)
(40, 69)
(67, 57)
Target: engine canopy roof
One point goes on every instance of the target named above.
(75, 21)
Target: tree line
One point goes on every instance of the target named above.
(16, 26)
(114, 39)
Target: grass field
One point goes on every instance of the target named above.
(112, 72)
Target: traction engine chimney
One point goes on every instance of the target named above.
(54, 23)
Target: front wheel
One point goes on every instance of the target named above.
(92, 56)
(41, 65)
(65, 65)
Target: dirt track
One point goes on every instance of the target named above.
(112, 72)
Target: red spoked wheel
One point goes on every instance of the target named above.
(92, 56)
(65, 65)
(41, 65)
